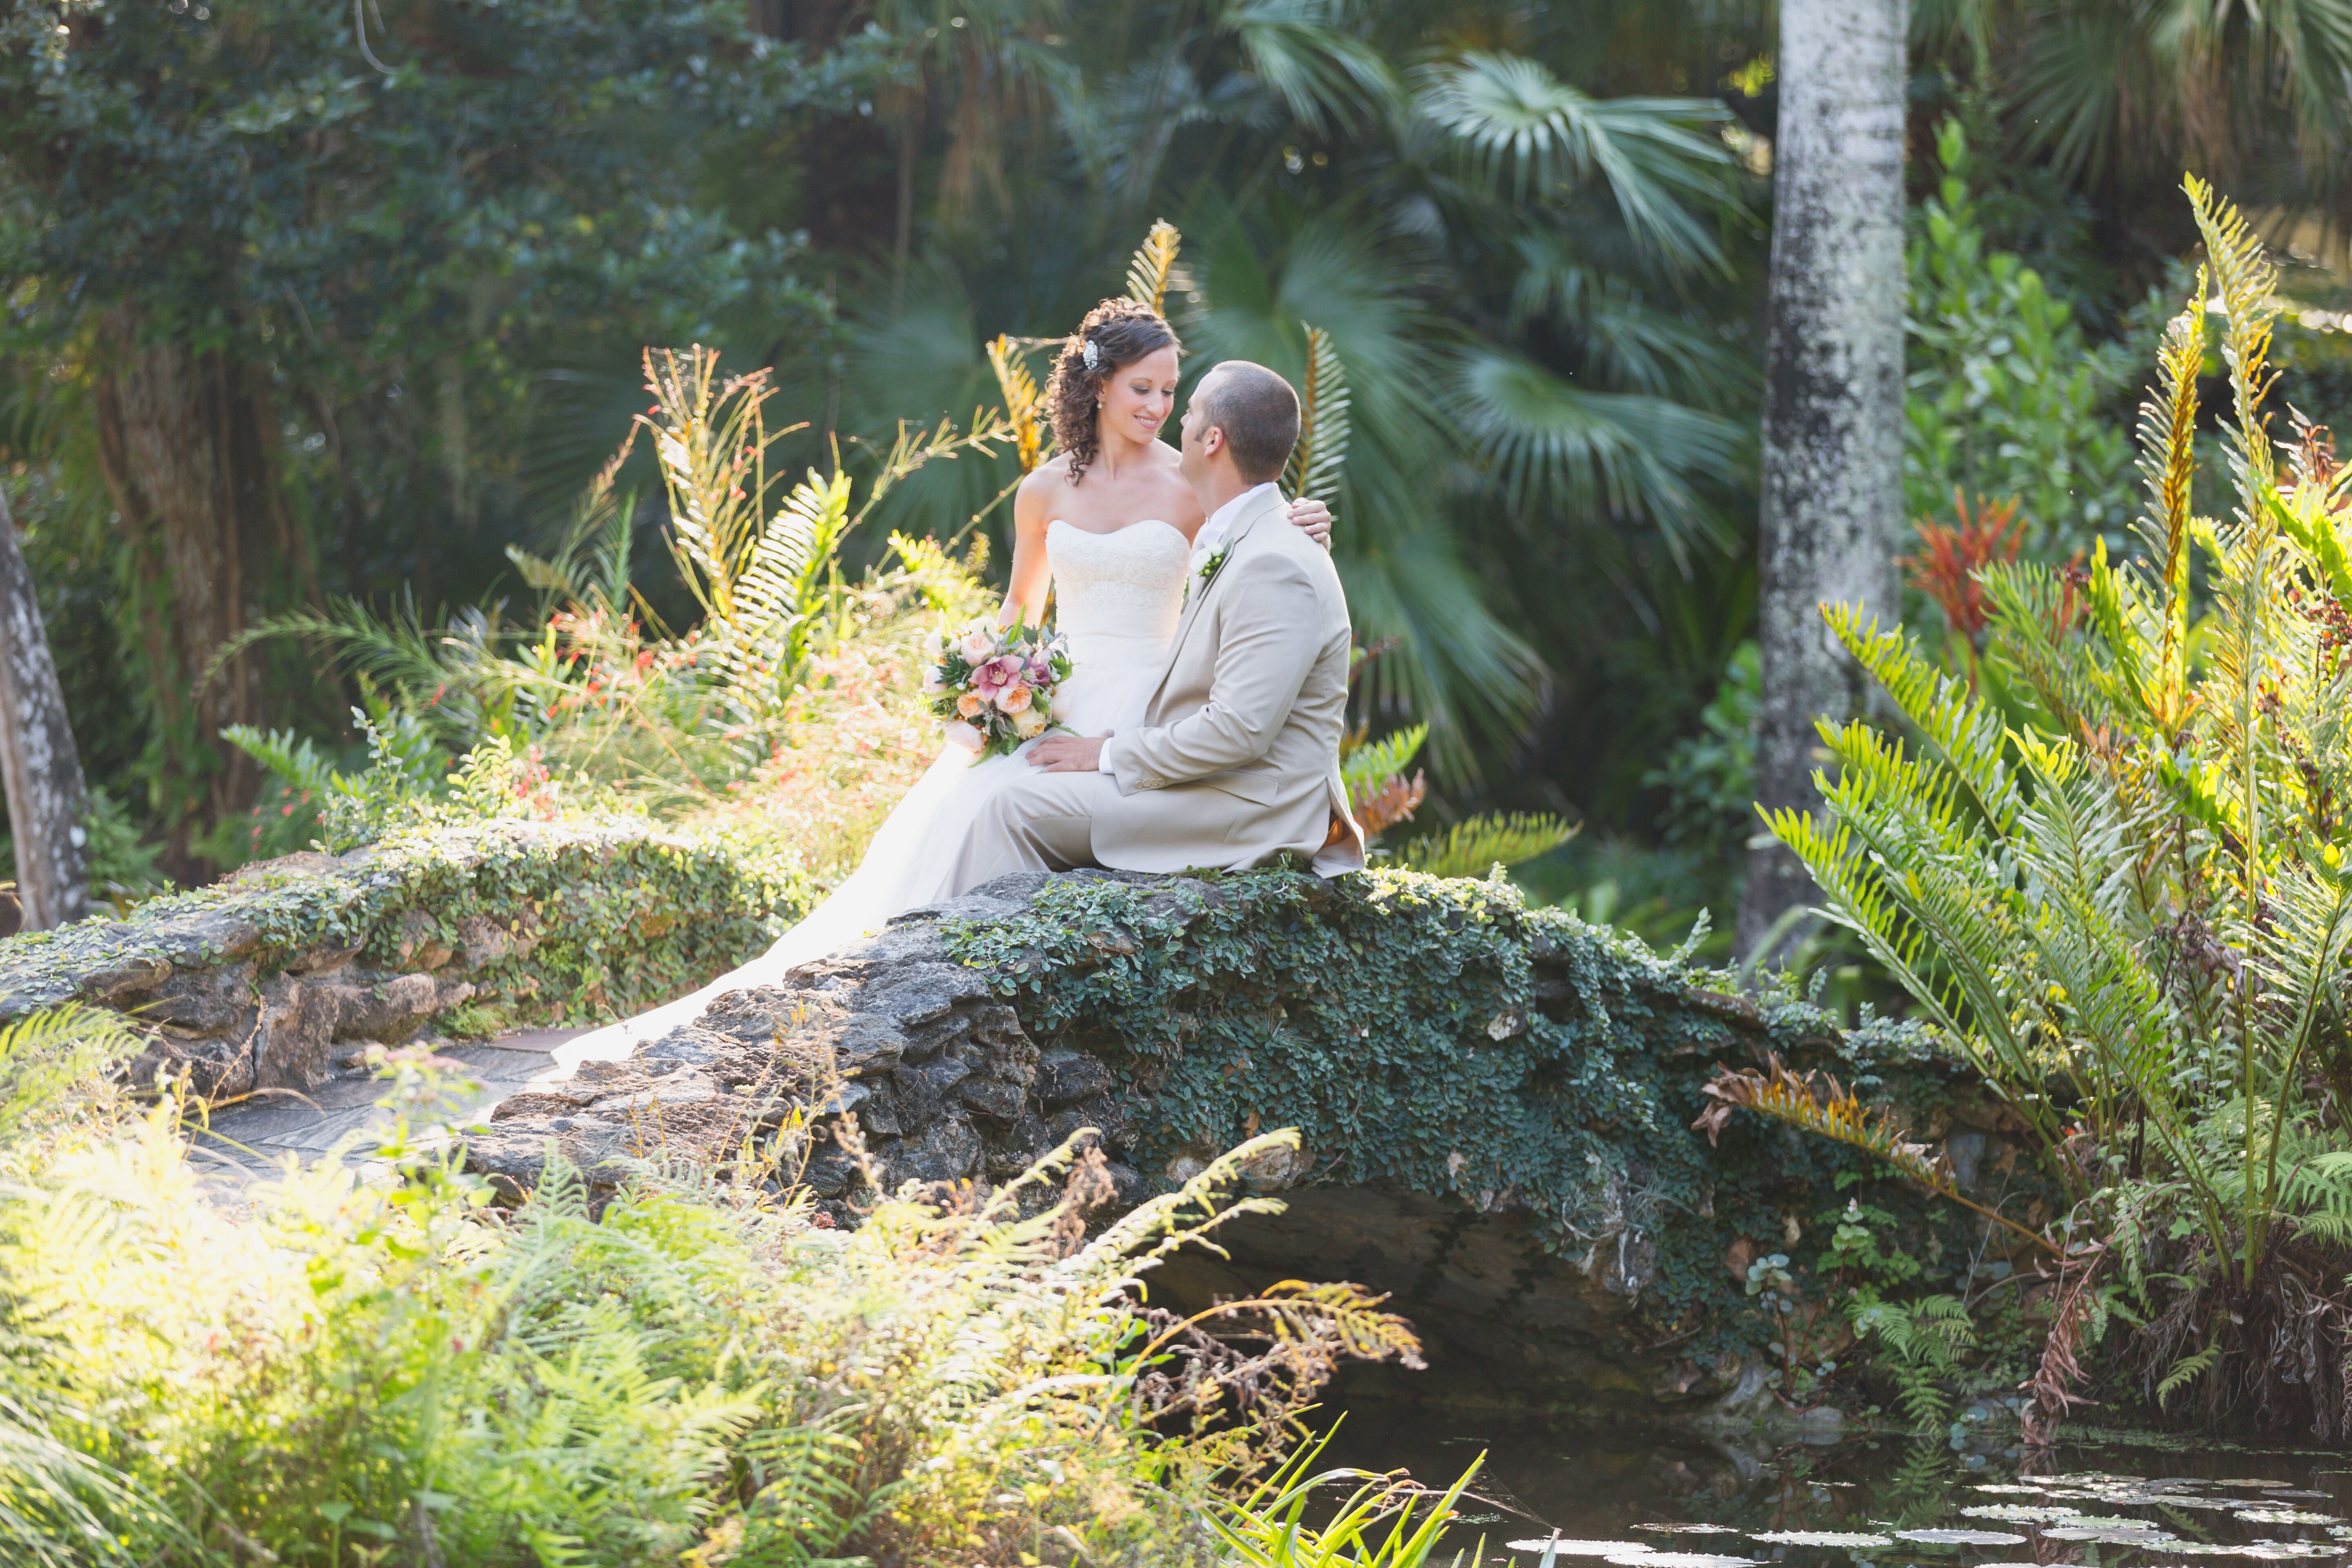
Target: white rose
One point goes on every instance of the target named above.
(932, 684)
(977, 645)
(962, 734)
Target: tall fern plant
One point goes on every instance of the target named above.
(2117, 881)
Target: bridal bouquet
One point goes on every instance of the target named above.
(995, 685)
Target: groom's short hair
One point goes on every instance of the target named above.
(1258, 412)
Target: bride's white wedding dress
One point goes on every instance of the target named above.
(1118, 597)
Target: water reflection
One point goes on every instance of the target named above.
(1671, 1499)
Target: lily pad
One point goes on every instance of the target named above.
(2267, 1550)
(1960, 1537)
(2005, 1488)
(2285, 1516)
(2021, 1514)
(1689, 1529)
(2110, 1536)
(1819, 1538)
(1579, 1548)
(1680, 1560)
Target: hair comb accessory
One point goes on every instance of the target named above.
(1091, 354)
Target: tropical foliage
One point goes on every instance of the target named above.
(695, 1370)
(2112, 877)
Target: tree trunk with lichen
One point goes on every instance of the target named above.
(1832, 439)
(49, 809)
(184, 438)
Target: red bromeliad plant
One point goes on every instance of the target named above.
(1949, 562)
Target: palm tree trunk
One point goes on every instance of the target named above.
(49, 810)
(1832, 447)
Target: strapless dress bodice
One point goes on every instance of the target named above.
(1128, 586)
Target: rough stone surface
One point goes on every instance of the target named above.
(888, 1037)
(292, 1034)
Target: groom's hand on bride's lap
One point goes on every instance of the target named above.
(1315, 518)
(1067, 754)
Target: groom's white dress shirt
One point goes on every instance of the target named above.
(1204, 544)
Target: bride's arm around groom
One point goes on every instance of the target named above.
(1238, 758)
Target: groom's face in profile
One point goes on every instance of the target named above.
(1201, 441)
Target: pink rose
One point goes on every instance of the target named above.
(975, 646)
(932, 683)
(970, 704)
(959, 733)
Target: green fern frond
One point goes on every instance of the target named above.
(1321, 455)
(2186, 1371)
(49, 1056)
(1033, 434)
(295, 760)
(1473, 848)
(2248, 283)
(1817, 1103)
(1968, 732)
(1154, 267)
(1370, 763)
(2167, 464)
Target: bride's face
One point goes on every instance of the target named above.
(1136, 398)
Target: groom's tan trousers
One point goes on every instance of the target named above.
(1038, 822)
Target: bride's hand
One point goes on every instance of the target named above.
(1315, 518)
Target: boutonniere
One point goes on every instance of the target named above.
(1210, 567)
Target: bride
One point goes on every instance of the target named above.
(1107, 524)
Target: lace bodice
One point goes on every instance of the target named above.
(1124, 585)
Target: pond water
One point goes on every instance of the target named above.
(1628, 1497)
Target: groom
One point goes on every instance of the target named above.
(1238, 757)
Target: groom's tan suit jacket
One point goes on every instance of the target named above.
(1239, 745)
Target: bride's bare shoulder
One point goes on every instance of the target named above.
(1171, 491)
(1053, 474)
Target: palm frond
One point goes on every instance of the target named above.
(1658, 156)
(1555, 444)
(1315, 57)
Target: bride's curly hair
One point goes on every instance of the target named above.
(1120, 331)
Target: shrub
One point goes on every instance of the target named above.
(2007, 400)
